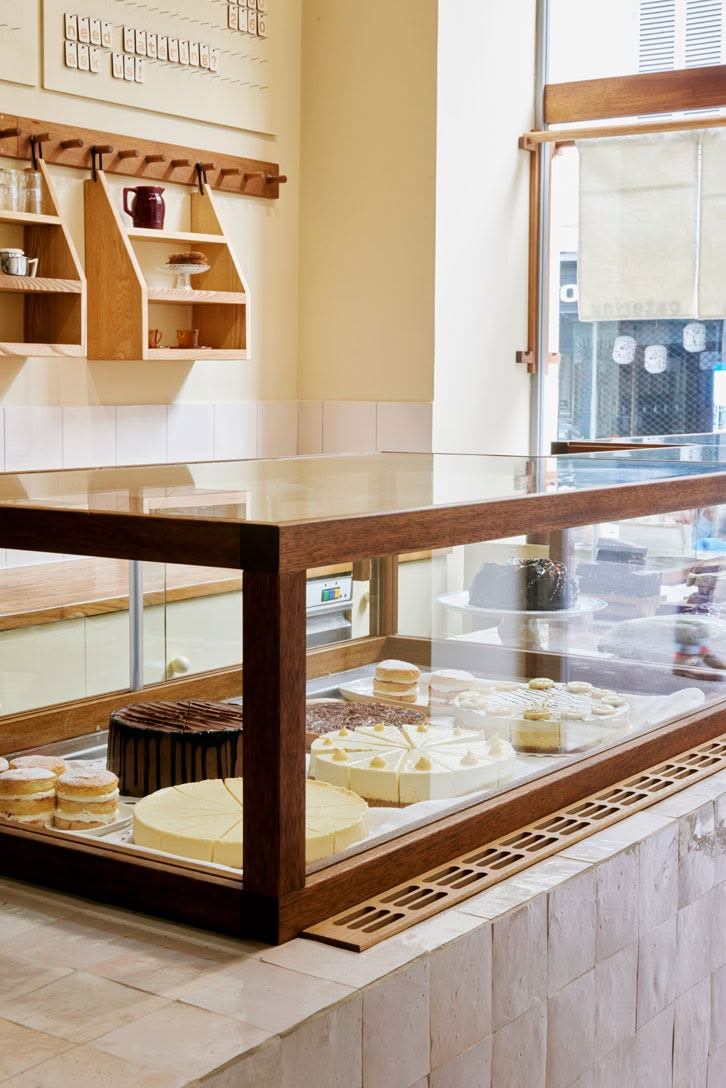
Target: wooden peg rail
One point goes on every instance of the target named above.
(144, 160)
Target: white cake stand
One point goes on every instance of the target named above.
(521, 627)
(183, 272)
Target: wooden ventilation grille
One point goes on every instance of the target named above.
(384, 915)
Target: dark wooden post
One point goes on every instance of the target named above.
(273, 743)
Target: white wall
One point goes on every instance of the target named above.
(485, 102)
(368, 191)
(265, 236)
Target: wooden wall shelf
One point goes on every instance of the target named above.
(47, 316)
(24, 284)
(120, 296)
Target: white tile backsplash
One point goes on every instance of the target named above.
(395, 1009)
(571, 930)
(656, 970)
(519, 1051)
(349, 426)
(617, 902)
(696, 854)
(571, 1032)
(404, 427)
(310, 426)
(140, 434)
(33, 437)
(658, 880)
(89, 436)
(694, 928)
(190, 432)
(616, 991)
(519, 982)
(461, 995)
(276, 428)
(235, 430)
(691, 1032)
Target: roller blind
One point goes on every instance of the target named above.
(638, 233)
(653, 226)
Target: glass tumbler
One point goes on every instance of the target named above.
(30, 193)
(8, 191)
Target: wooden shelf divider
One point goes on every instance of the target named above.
(182, 295)
(24, 284)
(54, 302)
(120, 295)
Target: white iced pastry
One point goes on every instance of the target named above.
(391, 766)
(545, 716)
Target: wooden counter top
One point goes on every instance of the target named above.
(70, 589)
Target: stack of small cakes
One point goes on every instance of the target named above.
(38, 791)
(397, 680)
(27, 789)
(446, 684)
(85, 799)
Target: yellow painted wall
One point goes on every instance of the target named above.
(264, 234)
(486, 54)
(368, 199)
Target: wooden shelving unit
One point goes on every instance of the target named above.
(120, 296)
(49, 317)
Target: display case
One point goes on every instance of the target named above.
(551, 632)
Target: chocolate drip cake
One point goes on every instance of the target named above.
(152, 745)
(532, 585)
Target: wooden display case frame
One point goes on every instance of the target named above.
(119, 296)
(277, 899)
(54, 302)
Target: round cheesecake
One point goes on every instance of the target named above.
(397, 767)
(154, 745)
(203, 820)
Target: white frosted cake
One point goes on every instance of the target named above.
(203, 820)
(392, 766)
(543, 716)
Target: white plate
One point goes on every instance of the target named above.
(125, 816)
(459, 602)
(361, 691)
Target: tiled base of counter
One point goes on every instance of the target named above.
(604, 965)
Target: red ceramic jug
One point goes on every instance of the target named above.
(148, 207)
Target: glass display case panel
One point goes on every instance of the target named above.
(513, 658)
(64, 629)
(192, 620)
(311, 489)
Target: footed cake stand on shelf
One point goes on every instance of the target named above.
(522, 627)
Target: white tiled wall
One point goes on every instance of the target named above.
(603, 969)
(88, 436)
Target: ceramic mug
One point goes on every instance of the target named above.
(154, 338)
(187, 338)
